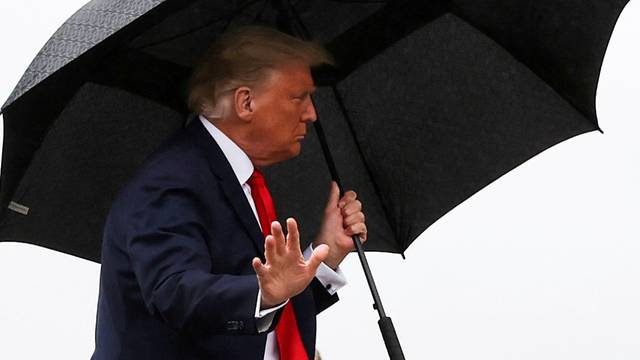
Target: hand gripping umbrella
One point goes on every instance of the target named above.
(433, 100)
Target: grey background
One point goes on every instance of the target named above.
(541, 264)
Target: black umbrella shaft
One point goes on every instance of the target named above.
(385, 323)
(290, 20)
(377, 303)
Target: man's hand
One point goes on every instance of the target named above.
(285, 273)
(343, 218)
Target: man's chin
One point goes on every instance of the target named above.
(295, 150)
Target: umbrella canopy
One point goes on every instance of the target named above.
(433, 101)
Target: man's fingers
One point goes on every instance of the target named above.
(351, 207)
(293, 235)
(276, 229)
(278, 236)
(348, 197)
(269, 248)
(258, 266)
(319, 254)
(354, 229)
(354, 219)
(334, 195)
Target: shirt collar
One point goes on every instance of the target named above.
(240, 162)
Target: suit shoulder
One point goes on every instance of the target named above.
(178, 154)
(176, 163)
(177, 158)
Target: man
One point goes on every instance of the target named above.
(187, 271)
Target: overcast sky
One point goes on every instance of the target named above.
(541, 264)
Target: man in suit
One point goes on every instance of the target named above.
(187, 271)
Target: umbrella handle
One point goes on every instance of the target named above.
(387, 329)
(390, 339)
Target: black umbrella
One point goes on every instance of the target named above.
(432, 101)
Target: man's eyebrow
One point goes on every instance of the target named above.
(308, 91)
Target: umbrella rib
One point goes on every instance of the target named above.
(557, 80)
(228, 17)
(521, 61)
(143, 74)
(370, 37)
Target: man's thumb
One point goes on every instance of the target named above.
(334, 195)
(319, 254)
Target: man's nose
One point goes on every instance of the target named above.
(310, 113)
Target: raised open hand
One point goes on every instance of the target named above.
(285, 273)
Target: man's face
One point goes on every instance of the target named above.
(283, 107)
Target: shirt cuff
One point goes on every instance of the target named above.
(330, 279)
(264, 318)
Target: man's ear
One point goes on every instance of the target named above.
(243, 103)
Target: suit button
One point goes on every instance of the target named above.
(328, 287)
(235, 325)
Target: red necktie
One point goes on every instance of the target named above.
(287, 334)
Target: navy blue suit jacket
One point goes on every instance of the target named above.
(176, 279)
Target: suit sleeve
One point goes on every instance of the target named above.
(166, 243)
(321, 296)
(325, 284)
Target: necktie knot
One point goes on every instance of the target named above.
(256, 179)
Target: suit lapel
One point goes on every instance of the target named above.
(221, 168)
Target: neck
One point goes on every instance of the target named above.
(240, 133)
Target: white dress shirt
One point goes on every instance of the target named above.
(243, 168)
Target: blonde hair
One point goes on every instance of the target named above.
(244, 57)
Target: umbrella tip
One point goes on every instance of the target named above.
(403, 257)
